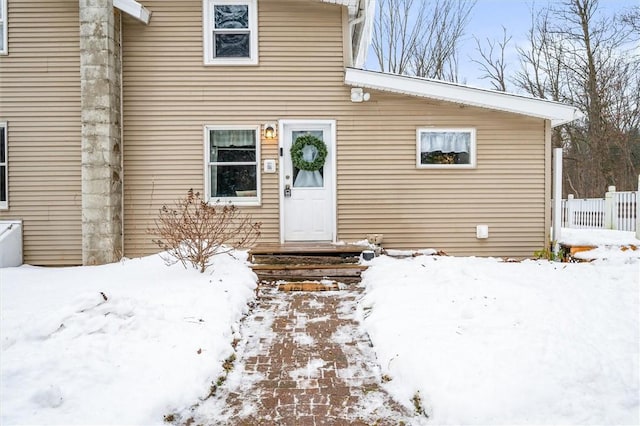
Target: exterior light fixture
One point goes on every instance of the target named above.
(359, 95)
(269, 131)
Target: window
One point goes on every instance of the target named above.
(4, 187)
(446, 148)
(230, 32)
(3, 27)
(233, 156)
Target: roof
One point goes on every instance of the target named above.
(134, 9)
(556, 112)
(352, 5)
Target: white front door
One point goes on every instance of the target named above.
(307, 197)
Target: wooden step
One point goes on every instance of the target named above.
(338, 269)
(310, 249)
(305, 253)
(307, 262)
(577, 249)
(346, 273)
(296, 259)
(277, 278)
(309, 286)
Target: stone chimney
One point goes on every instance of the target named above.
(100, 77)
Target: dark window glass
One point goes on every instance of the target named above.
(233, 181)
(231, 45)
(3, 154)
(3, 166)
(230, 40)
(439, 157)
(231, 16)
(233, 155)
(3, 183)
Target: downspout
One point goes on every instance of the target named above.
(557, 200)
(121, 136)
(354, 22)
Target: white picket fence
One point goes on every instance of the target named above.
(617, 210)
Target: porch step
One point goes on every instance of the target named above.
(307, 263)
(305, 253)
(345, 273)
(324, 285)
(303, 259)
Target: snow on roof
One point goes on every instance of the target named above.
(557, 112)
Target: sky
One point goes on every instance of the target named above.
(487, 19)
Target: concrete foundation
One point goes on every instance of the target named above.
(100, 75)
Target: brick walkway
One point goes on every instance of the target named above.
(304, 360)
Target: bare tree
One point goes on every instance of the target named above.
(420, 37)
(578, 56)
(492, 61)
(632, 18)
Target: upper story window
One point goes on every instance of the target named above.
(230, 32)
(4, 187)
(233, 156)
(3, 27)
(446, 148)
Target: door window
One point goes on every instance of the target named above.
(305, 178)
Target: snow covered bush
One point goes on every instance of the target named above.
(193, 231)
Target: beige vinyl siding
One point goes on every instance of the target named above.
(380, 189)
(40, 101)
(169, 96)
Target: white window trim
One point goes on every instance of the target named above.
(5, 24)
(238, 201)
(472, 154)
(4, 205)
(207, 26)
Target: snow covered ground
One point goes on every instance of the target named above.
(124, 343)
(482, 341)
(597, 237)
(609, 244)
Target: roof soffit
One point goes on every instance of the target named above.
(556, 112)
(352, 5)
(134, 9)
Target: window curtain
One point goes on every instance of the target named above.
(233, 138)
(230, 138)
(305, 178)
(445, 142)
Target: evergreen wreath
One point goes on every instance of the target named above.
(296, 153)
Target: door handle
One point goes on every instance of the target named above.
(287, 191)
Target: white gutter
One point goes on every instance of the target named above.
(352, 5)
(556, 112)
(368, 11)
(134, 9)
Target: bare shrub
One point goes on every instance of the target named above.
(193, 231)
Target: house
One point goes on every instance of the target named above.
(111, 108)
